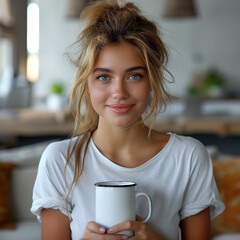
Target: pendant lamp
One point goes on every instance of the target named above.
(6, 14)
(179, 8)
(6, 19)
(75, 7)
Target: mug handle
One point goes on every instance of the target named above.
(137, 195)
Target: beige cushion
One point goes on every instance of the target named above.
(25, 155)
(21, 192)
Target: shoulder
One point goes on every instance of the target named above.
(178, 142)
(56, 152)
(190, 151)
(186, 143)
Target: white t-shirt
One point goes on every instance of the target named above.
(178, 179)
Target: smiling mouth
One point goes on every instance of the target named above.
(121, 108)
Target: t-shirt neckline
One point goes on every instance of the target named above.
(108, 162)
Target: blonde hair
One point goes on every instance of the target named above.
(106, 22)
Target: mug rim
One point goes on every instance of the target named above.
(115, 184)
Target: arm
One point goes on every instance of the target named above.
(196, 227)
(55, 225)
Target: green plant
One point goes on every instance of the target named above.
(214, 79)
(57, 88)
(209, 85)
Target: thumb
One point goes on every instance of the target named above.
(94, 227)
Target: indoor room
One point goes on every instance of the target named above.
(36, 75)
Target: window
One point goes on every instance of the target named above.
(6, 46)
(32, 41)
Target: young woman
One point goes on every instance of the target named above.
(120, 81)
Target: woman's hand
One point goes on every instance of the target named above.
(93, 231)
(142, 231)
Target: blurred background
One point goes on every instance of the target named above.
(203, 40)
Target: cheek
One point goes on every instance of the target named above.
(143, 93)
(146, 100)
(97, 95)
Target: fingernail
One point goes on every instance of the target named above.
(102, 229)
(109, 230)
(124, 237)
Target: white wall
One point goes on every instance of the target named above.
(210, 40)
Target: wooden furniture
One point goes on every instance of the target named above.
(30, 123)
(219, 125)
(33, 122)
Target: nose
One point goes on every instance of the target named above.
(119, 90)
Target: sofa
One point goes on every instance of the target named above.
(18, 169)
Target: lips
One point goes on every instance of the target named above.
(121, 108)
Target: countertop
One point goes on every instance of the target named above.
(221, 118)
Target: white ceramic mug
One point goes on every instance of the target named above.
(115, 203)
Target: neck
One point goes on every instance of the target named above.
(113, 139)
(128, 147)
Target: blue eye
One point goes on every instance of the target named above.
(103, 78)
(136, 76)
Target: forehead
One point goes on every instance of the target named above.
(121, 54)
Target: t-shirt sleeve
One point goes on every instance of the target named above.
(201, 190)
(49, 187)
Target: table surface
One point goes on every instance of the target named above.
(32, 122)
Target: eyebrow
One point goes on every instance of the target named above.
(127, 70)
